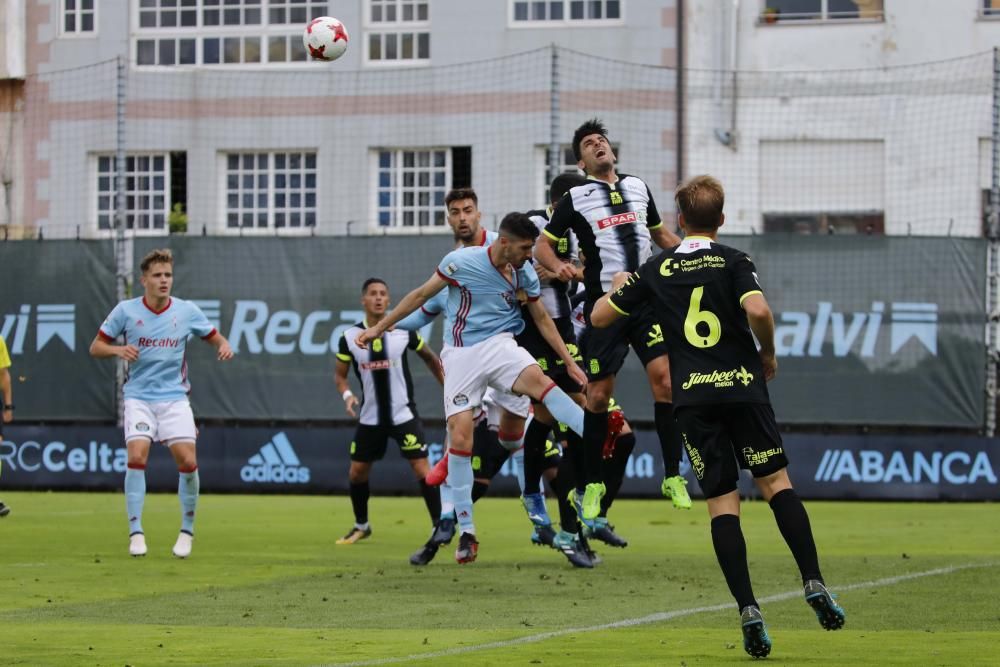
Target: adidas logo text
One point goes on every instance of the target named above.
(276, 463)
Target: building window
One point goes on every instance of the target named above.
(79, 16)
(398, 32)
(297, 12)
(270, 190)
(990, 8)
(870, 223)
(822, 186)
(147, 190)
(222, 32)
(785, 11)
(411, 184)
(566, 12)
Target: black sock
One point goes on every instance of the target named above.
(614, 470)
(562, 484)
(573, 451)
(432, 498)
(670, 438)
(359, 501)
(534, 454)
(731, 550)
(793, 522)
(479, 490)
(595, 430)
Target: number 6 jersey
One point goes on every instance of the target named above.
(697, 291)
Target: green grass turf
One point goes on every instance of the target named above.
(267, 586)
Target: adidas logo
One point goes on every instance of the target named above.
(276, 463)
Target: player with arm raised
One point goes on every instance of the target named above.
(387, 407)
(615, 220)
(708, 299)
(156, 327)
(485, 286)
(464, 218)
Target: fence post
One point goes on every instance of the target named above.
(123, 248)
(555, 159)
(993, 259)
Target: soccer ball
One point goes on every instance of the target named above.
(325, 38)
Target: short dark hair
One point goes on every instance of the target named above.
(700, 199)
(373, 281)
(457, 194)
(562, 184)
(592, 126)
(518, 225)
(157, 256)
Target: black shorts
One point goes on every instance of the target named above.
(531, 339)
(370, 441)
(720, 439)
(604, 350)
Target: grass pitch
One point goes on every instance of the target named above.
(267, 586)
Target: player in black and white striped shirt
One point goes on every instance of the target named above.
(615, 221)
(387, 407)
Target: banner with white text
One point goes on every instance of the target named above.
(869, 330)
(316, 460)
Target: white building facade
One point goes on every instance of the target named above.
(228, 126)
(848, 116)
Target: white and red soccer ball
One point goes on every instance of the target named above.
(325, 38)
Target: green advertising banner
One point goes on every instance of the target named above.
(876, 330)
(870, 330)
(53, 297)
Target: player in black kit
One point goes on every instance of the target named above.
(708, 299)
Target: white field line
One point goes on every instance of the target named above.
(658, 617)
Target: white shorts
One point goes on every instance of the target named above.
(495, 362)
(506, 400)
(164, 421)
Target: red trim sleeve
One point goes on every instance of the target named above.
(510, 437)
(136, 466)
(546, 392)
(455, 452)
(105, 337)
(447, 279)
(187, 471)
(533, 298)
(210, 335)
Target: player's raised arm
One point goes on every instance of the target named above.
(605, 310)
(426, 314)
(410, 303)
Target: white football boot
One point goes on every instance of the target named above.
(182, 547)
(136, 545)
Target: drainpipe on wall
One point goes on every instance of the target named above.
(729, 60)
